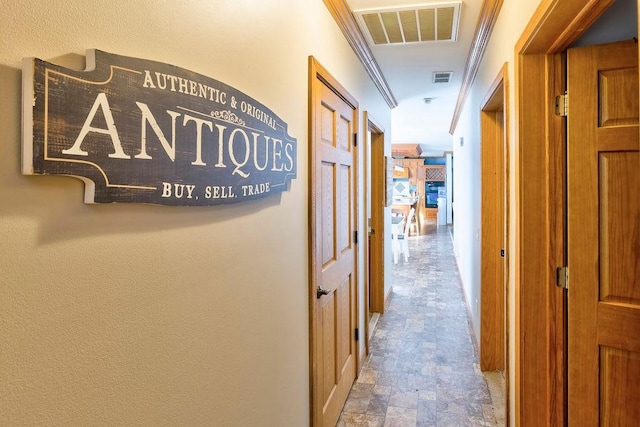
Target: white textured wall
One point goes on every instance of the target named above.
(143, 315)
(514, 16)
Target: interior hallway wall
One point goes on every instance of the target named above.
(514, 16)
(130, 314)
(617, 23)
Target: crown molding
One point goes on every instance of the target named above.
(486, 21)
(345, 20)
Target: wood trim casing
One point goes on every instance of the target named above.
(495, 121)
(378, 178)
(366, 240)
(344, 18)
(540, 371)
(487, 19)
(539, 303)
(493, 117)
(557, 23)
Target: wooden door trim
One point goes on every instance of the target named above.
(492, 128)
(365, 232)
(317, 71)
(375, 247)
(556, 24)
(378, 179)
(494, 329)
(540, 371)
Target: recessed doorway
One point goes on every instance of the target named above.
(495, 235)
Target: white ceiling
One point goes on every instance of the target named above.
(408, 70)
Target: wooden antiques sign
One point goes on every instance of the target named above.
(142, 131)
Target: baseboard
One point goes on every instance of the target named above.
(373, 322)
(363, 356)
(474, 338)
(472, 331)
(387, 298)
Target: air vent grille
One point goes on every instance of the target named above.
(442, 76)
(414, 24)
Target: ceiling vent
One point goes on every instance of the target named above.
(412, 24)
(442, 76)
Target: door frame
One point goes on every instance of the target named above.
(494, 327)
(317, 71)
(540, 348)
(378, 181)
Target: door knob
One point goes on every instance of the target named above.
(320, 292)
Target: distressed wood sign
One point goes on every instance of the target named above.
(142, 131)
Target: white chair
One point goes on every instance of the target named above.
(397, 225)
(414, 228)
(400, 242)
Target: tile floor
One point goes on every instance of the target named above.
(422, 369)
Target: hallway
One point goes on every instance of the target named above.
(423, 369)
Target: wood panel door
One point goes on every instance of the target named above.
(333, 251)
(603, 201)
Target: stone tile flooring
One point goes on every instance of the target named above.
(422, 369)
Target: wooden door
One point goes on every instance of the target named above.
(333, 250)
(603, 201)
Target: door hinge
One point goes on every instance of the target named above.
(355, 139)
(503, 253)
(355, 237)
(562, 277)
(357, 334)
(562, 105)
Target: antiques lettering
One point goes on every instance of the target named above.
(264, 151)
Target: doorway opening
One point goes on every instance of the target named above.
(495, 234)
(374, 202)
